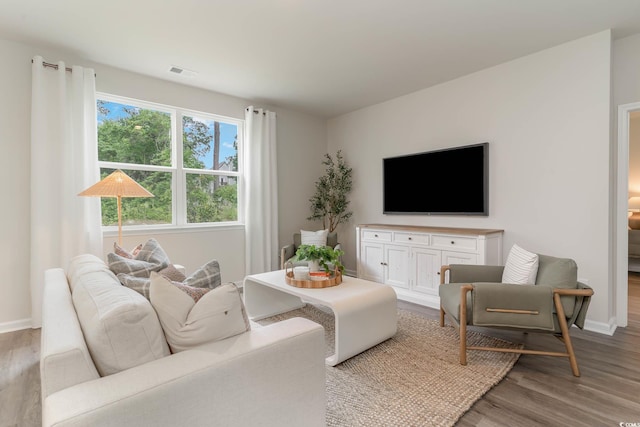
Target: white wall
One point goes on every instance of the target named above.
(546, 117)
(626, 70)
(301, 142)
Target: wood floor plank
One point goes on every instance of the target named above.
(538, 391)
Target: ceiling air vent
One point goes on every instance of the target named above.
(182, 72)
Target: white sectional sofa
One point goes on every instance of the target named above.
(268, 376)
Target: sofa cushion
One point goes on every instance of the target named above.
(119, 325)
(521, 267)
(217, 315)
(85, 264)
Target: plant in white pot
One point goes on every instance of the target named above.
(322, 256)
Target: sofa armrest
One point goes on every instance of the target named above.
(64, 357)
(274, 375)
(285, 253)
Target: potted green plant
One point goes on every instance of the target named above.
(330, 203)
(325, 256)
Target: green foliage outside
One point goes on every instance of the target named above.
(144, 137)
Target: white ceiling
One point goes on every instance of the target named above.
(325, 57)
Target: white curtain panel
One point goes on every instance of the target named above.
(261, 191)
(64, 161)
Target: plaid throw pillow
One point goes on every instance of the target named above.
(153, 252)
(207, 276)
(150, 257)
(196, 285)
(138, 284)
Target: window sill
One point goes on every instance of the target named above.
(111, 231)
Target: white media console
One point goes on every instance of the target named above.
(409, 257)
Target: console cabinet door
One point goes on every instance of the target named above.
(372, 262)
(426, 270)
(396, 266)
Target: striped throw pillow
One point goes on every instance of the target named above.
(316, 238)
(521, 267)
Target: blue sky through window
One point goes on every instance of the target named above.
(228, 131)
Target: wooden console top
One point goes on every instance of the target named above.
(426, 229)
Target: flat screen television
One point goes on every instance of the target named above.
(451, 181)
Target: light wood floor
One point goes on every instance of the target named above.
(539, 390)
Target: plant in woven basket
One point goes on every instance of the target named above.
(325, 255)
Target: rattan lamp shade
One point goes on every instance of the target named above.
(118, 185)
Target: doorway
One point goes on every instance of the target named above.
(621, 291)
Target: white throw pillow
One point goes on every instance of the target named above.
(521, 267)
(316, 238)
(217, 315)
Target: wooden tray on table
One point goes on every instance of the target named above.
(333, 279)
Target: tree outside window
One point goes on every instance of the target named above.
(193, 175)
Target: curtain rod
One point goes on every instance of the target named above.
(257, 112)
(54, 66)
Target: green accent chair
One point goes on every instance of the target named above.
(287, 252)
(474, 296)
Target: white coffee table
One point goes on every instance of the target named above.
(365, 312)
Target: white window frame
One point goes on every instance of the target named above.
(178, 172)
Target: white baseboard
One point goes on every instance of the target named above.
(351, 273)
(15, 325)
(601, 327)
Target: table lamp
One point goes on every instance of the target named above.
(118, 185)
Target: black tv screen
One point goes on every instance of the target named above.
(452, 181)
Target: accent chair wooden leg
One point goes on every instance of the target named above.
(566, 338)
(463, 323)
(441, 317)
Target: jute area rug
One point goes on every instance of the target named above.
(412, 379)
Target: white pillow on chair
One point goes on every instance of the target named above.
(316, 238)
(521, 267)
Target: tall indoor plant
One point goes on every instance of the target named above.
(330, 203)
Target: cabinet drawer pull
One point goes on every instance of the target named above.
(375, 235)
(453, 242)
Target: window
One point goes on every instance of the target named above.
(188, 160)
